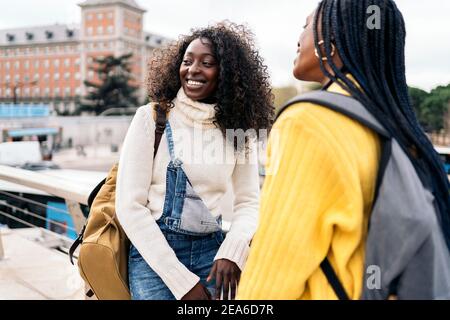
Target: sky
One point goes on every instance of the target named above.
(276, 24)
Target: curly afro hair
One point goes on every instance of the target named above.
(244, 97)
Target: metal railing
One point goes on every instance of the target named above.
(73, 194)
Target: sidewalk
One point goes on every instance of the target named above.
(99, 158)
(30, 271)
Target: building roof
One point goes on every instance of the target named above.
(40, 34)
(155, 40)
(59, 33)
(129, 3)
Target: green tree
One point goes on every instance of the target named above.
(418, 96)
(113, 88)
(431, 108)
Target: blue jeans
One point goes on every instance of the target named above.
(190, 229)
(195, 252)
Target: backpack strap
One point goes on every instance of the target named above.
(346, 105)
(353, 109)
(160, 124)
(333, 280)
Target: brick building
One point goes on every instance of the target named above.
(48, 64)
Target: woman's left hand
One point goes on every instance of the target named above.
(227, 275)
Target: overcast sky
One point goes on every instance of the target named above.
(276, 24)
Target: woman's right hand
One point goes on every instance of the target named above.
(198, 292)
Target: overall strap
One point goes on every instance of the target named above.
(170, 143)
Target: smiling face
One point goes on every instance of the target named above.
(199, 71)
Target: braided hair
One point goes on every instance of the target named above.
(376, 59)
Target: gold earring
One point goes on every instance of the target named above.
(333, 50)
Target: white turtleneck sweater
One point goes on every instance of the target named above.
(211, 165)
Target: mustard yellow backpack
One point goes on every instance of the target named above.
(103, 254)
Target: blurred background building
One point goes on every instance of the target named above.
(49, 64)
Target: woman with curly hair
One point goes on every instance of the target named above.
(209, 82)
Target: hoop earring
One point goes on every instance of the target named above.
(333, 50)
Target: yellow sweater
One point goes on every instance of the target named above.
(316, 199)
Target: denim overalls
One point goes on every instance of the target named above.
(190, 229)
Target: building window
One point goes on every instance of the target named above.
(27, 64)
(46, 63)
(36, 77)
(67, 92)
(26, 78)
(99, 16)
(90, 30)
(8, 92)
(56, 63)
(27, 92)
(7, 78)
(46, 77)
(56, 76)
(67, 75)
(100, 30)
(36, 64)
(90, 74)
(56, 92)
(110, 15)
(89, 16)
(16, 65)
(36, 92)
(110, 29)
(67, 62)
(7, 65)
(47, 91)
(16, 78)
(126, 30)
(78, 91)
(77, 76)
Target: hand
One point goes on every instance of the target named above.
(227, 275)
(198, 292)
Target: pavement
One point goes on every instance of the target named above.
(92, 158)
(31, 271)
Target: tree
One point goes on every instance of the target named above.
(418, 96)
(113, 88)
(431, 108)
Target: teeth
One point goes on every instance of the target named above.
(195, 83)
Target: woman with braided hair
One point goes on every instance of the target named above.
(323, 166)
